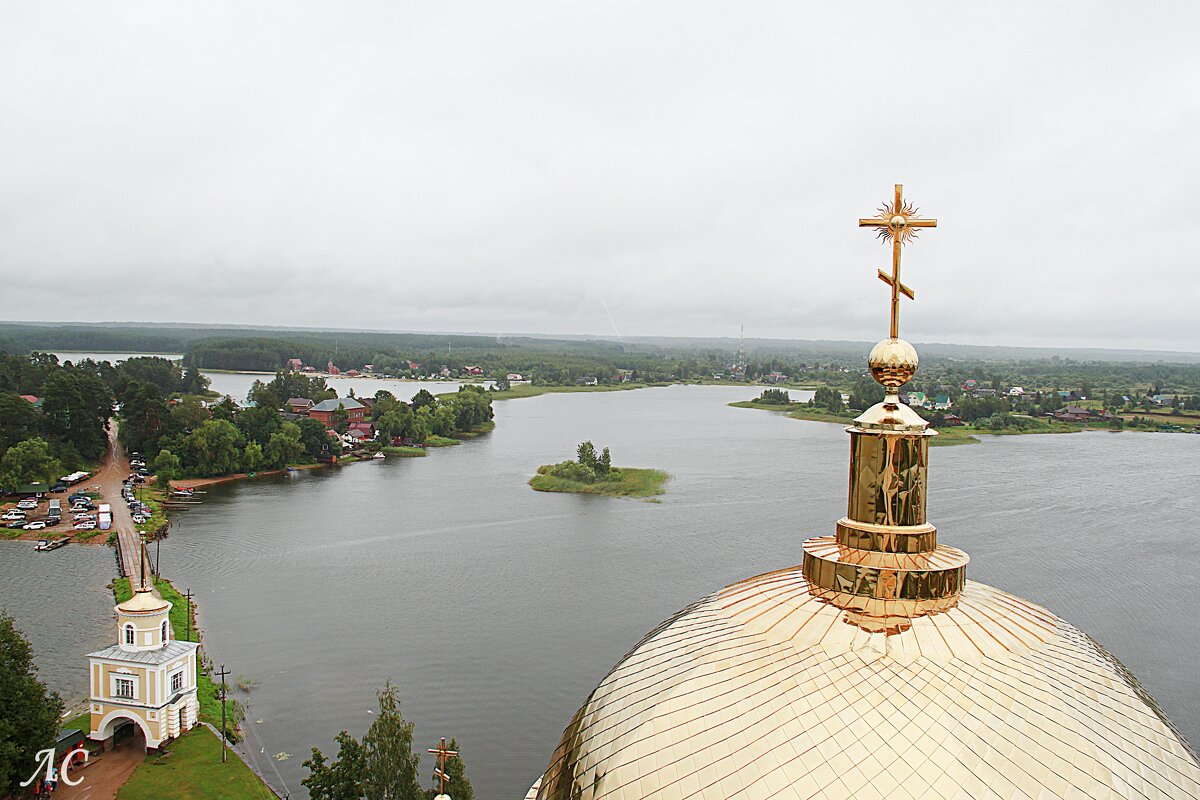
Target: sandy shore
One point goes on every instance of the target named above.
(196, 483)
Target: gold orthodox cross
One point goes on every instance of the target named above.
(442, 752)
(898, 222)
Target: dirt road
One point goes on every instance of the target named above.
(109, 481)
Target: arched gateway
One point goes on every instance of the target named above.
(148, 677)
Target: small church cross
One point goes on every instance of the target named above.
(898, 222)
(442, 752)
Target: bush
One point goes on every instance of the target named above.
(775, 397)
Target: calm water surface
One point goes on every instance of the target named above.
(496, 609)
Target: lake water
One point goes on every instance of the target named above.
(237, 384)
(496, 609)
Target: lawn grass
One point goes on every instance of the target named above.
(800, 411)
(478, 430)
(433, 440)
(404, 451)
(625, 482)
(207, 692)
(191, 769)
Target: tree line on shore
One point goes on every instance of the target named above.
(54, 416)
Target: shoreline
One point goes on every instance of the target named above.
(948, 437)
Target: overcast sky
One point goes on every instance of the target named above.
(640, 168)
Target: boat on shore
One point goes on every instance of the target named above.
(47, 545)
(378, 456)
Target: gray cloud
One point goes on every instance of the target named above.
(517, 166)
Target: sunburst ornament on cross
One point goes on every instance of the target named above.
(898, 223)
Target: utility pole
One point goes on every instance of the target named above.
(224, 742)
(188, 595)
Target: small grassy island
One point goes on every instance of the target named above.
(594, 474)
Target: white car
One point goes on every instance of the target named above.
(139, 519)
(36, 525)
(13, 514)
(84, 517)
(85, 526)
(28, 504)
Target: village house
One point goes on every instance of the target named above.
(299, 405)
(325, 410)
(969, 385)
(516, 377)
(775, 377)
(472, 370)
(1016, 391)
(587, 381)
(352, 373)
(366, 428)
(1072, 414)
(624, 375)
(295, 364)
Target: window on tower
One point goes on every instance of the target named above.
(123, 687)
(164, 632)
(128, 634)
(177, 681)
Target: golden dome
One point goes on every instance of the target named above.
(763, 690)
(144, 601)
(872, 670)
(893, 363)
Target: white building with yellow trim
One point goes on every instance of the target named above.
(147, 678)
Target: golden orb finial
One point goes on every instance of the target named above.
(893, 363)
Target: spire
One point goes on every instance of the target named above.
(143, 585)
(884, 565)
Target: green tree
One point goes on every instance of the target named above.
(18, 420)
(258, 423)
(314, 436)
(144, 413)
(340, 419)
(586, 455)
(29, 721)
(188, 414)
(252, 456)
(29, 461)
(423, 398)
(391, 766)
(284, 446)
(215, 448)
(604, 463)
(337, 780)
(166, 467)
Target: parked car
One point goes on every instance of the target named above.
(36, 525)
(85, 526)
(139, 519)
(14, 523)
(82, 517)
(13, 513)
(28, 504)
(58, 487)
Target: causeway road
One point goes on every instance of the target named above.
(108, 481)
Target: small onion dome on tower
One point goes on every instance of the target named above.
(143, 620)
(874, 670)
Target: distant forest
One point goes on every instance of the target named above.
(568, 360)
